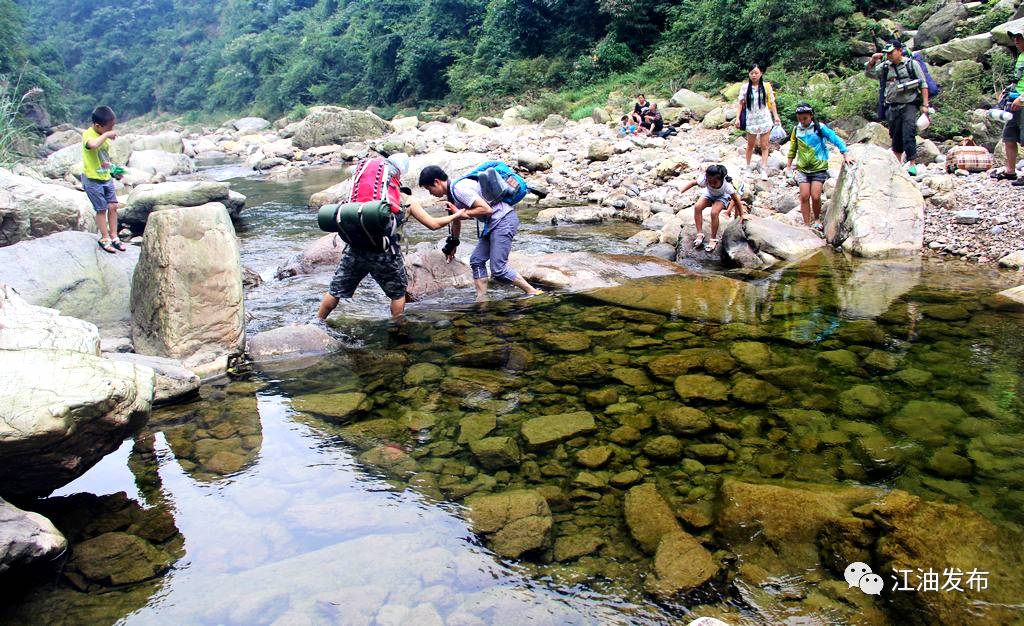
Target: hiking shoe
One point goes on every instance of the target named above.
(1002, 175)
(1019, 182)
(912, 170)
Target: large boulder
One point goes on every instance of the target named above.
(964, 49)
(24, 326)
(173, 380)
(705, 298)
(186, 297)
(698, 104)
(167, 141)
(580, 271)
(67, 271)
(513, 522)
(144, 199)
(763, 242)
(326, 125)
(26, 537)
(941, 25)
(69, 160)
(290, 342)
(62, 412)
(250, 124)
(30, 209)
(455, 164)
(160, 162)
(877, 210)
(335, 194)
(1001, 33)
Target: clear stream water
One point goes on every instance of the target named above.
(263, 505)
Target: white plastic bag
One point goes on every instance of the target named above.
(923, 122)
(778, 134)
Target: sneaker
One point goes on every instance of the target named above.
(912, 170)
(764, 174)
(1019, 182)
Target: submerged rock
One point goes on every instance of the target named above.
(339, 407)
(710, 298)
(114, 559)
(26, 537)
(289, 342)
(648, 516)
(514, 522)
(496, 452)
(550, 429)
(579, 271)
(681, 564)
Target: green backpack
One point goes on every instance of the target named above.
(368, 226)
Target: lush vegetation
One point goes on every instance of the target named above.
(277, 57)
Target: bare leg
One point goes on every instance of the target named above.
(328, 304)
(716, 208)
(397, 307)
(805, 202)
(764, 152)
(101, 225)
(751, 140)
(1011, 156)
(520, 282)
(815, 200)
(481, 289)
(112, 219)
(698, 215)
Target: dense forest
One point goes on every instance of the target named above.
(272, 57)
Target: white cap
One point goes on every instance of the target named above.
(401, 161)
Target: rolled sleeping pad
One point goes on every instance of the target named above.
(327, 218)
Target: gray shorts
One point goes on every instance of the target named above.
(811, 177)
(1014, 129)
(387, 268)
(100, 193)
(707, 195)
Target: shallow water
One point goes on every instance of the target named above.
(289, 512)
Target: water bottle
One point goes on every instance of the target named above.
(998, 115)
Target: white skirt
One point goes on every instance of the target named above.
(759, 120)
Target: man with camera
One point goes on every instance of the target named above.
(906, 91)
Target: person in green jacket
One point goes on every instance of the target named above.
(1013, 133)
(808, 146)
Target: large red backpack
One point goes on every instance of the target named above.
(377, 179)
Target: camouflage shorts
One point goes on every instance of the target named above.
(386, 268)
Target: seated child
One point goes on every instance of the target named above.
(719, 194)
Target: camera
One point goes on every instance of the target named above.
(450, 244)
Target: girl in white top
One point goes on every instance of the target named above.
(718, 193)
(757, 98)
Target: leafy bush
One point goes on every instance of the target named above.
(14, 131)
(964, 91)
(298, 112)
(582, 112)
(988, 21)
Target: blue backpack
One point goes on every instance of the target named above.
(933, 87)
(498, 183)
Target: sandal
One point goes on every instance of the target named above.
(1002, 175)
(711, 245)
(106, 247)
(698, 241)
(119, 245)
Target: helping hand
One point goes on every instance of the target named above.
(848, 158)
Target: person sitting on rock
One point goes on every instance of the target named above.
(97, 174)
(640, 109)
(387, 268)
(906, 92)
(1013, 132)
(808, 145)
(653, 120)
(718, 193)
(499, 224)
(626, 127)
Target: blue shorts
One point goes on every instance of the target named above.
(100, 192)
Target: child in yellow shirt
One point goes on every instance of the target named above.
(97, 179)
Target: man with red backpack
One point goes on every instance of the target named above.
(370, 224)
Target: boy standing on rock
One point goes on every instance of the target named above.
(1013, 133)
(906, 90)
(96, 176)
(499, 225)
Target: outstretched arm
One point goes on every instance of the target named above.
(431, 222)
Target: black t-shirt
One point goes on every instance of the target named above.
(641, 109)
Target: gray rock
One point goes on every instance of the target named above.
(514, 522)
(763, 242)
(496, 452)
(289, 342)
(941, 26)
(26, 537)
(250, 124)
(661, 251)
(648, 516)
(550, 429)
(967, 216)
(160, 162)
(145, 199)
(30, 209)
(173, 380)
(698, 104)
(67, 271)
(326, 125)
(24, 326)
